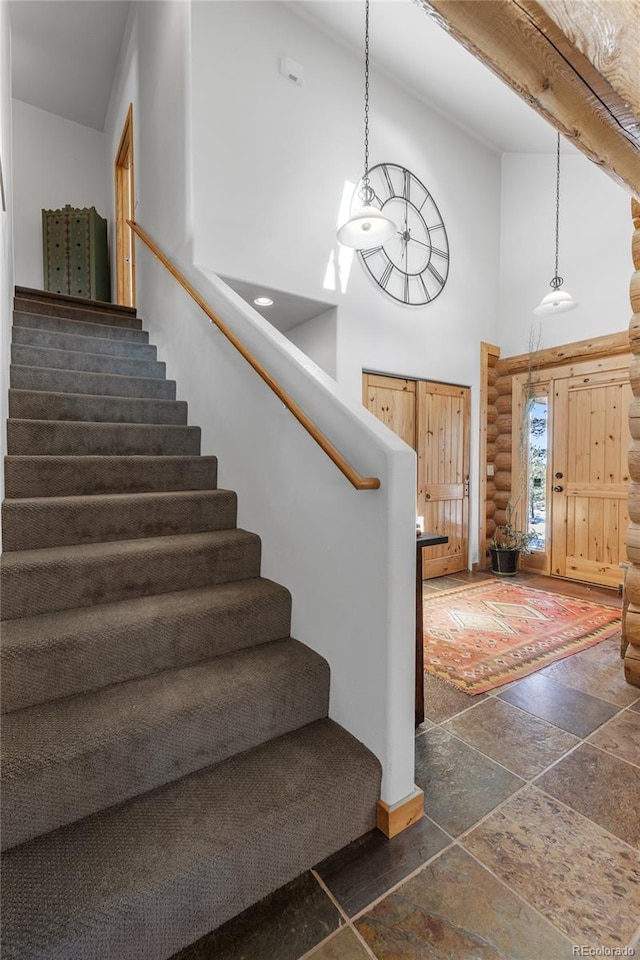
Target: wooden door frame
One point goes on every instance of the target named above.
(124, 174)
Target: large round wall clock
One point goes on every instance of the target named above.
(413, 265)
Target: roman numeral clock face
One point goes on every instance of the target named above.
(413, 265)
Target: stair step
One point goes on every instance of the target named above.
(76, 343)
(50, 296)
(68, 476)
(77, 437)
(34, 321)
(73, 311)
(61, 654)
(65, 760)
(141, 880)
(34, 524)
(40, 405)
(60, 578)
(28, 356)
(103, 384)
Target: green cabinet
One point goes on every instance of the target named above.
(75, 255)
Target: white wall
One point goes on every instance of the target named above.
(348, 557)
(6, 238)
(56, 161)
(594, 250)
(270, 163)
(318, 339)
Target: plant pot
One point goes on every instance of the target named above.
(504, 563)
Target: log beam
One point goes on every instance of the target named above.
(574, 63)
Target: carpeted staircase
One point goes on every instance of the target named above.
(167, 755)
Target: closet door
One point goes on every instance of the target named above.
(392, 400)
(443, 473)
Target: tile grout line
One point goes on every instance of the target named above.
(308, 954)
(515, 893)
(364, 942)
(348, 920)
(583, 816)
(610, 753)
(332, 898)
(400, 883)
(569, 750)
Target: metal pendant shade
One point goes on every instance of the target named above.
(367, 226)
(558, 301)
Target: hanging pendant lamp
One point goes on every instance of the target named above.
(367, 225)
(558, 301)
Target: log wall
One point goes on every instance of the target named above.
(631, 616)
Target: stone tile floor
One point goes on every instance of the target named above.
(529, 846)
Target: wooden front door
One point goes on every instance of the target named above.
(443, 473)
(433, 418)
(590, 476)
(125, 207)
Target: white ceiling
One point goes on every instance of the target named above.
(65, 54)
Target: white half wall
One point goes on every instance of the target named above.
(6, 233)
(318, 339)
(348, 557)
(594, 250)
(55, 162)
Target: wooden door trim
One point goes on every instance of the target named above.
(124, 169)
(488, 352)
(605, 347)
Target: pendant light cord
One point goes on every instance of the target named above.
(557, 281)
(366, 193)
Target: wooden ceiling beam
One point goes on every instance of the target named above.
(577, 62)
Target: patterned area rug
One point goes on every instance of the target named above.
(482, 635)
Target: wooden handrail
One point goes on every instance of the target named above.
(359, 482)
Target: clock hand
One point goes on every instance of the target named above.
(415, 240)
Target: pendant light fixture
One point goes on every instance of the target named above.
(558, 301)
(367, 225)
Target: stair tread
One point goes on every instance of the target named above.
(151, 401)
(184, 541)
(54, 358)
(88, 373)
(61, 730)
(87, 407)
(122, 499)
(79, 343)
(50, 475)
(64, 653)
(70, 758)
(52, 629)
(35, 293)
(83, 425)
(33, 522)
(40, 321)
(76, 437)
(168, 866)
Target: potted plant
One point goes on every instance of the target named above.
(506, 546)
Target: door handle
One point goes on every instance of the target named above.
(558, 489)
